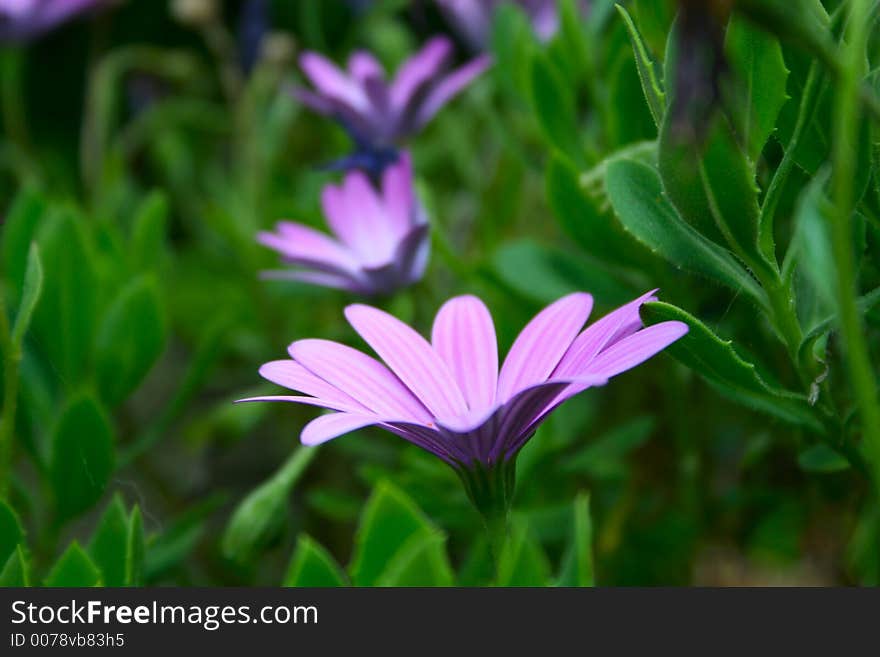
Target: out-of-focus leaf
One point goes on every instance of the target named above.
(312, 565)
(74, 568)
(65, 317)
(390, 519)
(811, 244)
(135, 547)
(19, 231)
(148, 232)
(554, 107)
(421, 561)
(822, 459)
(130, 339)
(30, 295)
(15, 572)
(569, 48)
(544, 273)
(865, 304)
(513, 43)
(651, 85)
(579, 560)
(522, 562)
(581, 216)
(757, 62)
(10, 532)
(604, 457)
(718, 362)
(168, 549)
(804, 22)
(82, 456)
(637, 196)
(108, 545)
(258, 516)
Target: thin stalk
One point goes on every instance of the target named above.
(11, 362)
(847, 113)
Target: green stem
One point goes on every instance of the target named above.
(847, 115)
(491, 488)
(11, 361)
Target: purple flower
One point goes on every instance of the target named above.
(381, 236)
(21, 20)
(472, 19)
(381, 112)
(448, 395)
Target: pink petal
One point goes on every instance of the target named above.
(290, 374)
(296, 399)
(330, 426)
(542, 343)
(330, 81)
(419, 69)
(360, 377)
(637, 348)
(355, 213)
(464, 337)
(362, 65)
(601, 334)
(411, 358)
(348, 281)
(300, 242)
(447, 88)
(399, 196)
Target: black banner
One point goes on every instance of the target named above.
(136, 621)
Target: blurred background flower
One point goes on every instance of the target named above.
(381, 236)
(21, 20)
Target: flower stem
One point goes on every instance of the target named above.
(847, 119)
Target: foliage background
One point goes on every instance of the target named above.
(142, 160)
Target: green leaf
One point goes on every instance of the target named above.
(30, 295)
(522, 562)
(390, 519)
(718, 362)
(135, 547)
(756, 59)
(636, 194)
(81, 461)
(15, 572)
(554, 107)
(651, 85)
(130, 339)
(108, 545)
(312, 565)
(19, 231)
(64, 320)
(10, 532)
(179, 538)
(810, 249)
(713, 187)
(258, 516)
(865, 304)
(582, 217)
(583, 540)
(421, 561)
(148, 232)
(513, 43)
(74, 568)
(820, 458)
(543, 273)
